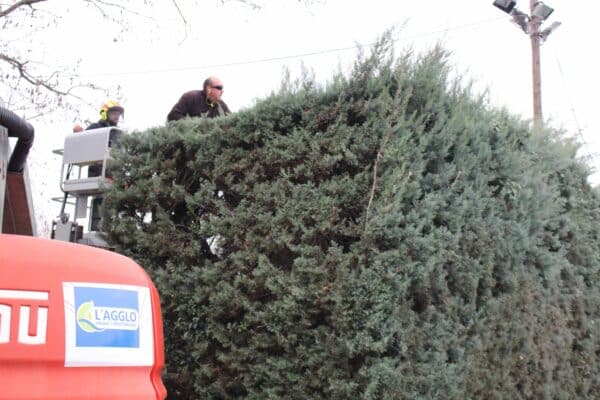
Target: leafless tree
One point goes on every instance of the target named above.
(32, 86)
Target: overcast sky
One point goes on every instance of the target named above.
(157, 60)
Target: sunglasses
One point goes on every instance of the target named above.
(219, 87)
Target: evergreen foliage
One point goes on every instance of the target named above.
(388, 236)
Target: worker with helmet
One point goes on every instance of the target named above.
(110, 114)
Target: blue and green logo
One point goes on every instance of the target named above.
(97, 319)
(85, 317)
(107, 317)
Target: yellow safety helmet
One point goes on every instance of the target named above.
(110, 105)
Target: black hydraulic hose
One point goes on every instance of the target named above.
(23, 131)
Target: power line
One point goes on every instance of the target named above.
(579, 131)
(562, 75)
(286, 57)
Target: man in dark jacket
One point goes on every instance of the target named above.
(201, 103)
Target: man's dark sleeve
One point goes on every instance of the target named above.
(225, 108)
(95, 125)
(179, 110)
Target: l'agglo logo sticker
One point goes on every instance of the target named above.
(97, 319)
(108, 325)
(107, 317)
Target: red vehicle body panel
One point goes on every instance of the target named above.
(46, 349)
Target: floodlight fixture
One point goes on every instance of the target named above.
(546, 32)
(521, 19)
(541, 11)
(505, 5)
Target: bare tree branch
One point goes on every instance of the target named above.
(179, 11)
(17, 5)
(99, 3)
(375, 173)
(21, 67)
(185, 23)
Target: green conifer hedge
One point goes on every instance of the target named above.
(387, 236)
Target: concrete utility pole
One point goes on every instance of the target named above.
(534, 27)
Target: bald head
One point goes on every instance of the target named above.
(213, 88)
